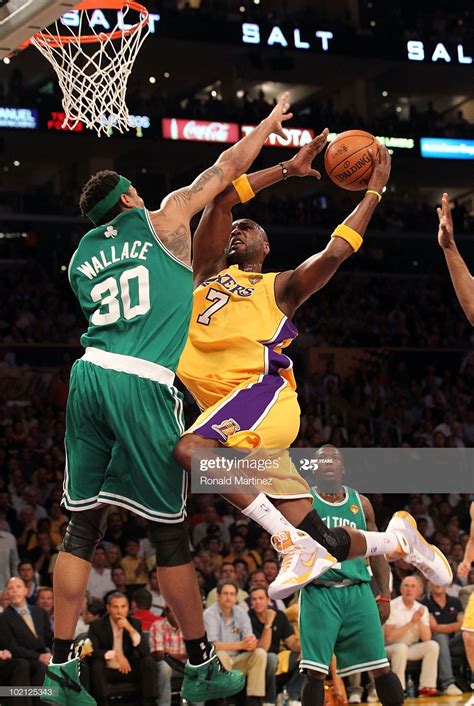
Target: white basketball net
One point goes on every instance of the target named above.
(93, 76)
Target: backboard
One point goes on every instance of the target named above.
(20, 19)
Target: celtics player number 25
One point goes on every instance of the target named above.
(110, 293)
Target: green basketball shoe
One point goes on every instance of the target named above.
(210, 680)
(66, 677)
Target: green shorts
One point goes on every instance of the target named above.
(120, 434)
(342, 621)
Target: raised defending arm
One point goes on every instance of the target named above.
(172, 219)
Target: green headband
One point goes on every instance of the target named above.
(104, 205)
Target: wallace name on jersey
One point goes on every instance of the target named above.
(116, 253)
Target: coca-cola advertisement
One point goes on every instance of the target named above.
(199, 130)
(294, 136)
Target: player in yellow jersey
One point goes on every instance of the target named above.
(468, 622)
(234, 365)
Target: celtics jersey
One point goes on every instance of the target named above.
(347, 513)
(136, 296)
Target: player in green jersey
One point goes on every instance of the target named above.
(131, 274)
(341, 603)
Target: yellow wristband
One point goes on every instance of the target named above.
(372, 191)
(243, 188)
(348, 234)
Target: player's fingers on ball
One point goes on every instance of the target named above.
(372, 156)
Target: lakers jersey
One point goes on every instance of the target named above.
(346, 513)
(237, 333)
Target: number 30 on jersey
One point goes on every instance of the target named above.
(111, 294)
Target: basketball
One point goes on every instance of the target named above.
(347, 159)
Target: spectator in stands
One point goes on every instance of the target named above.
(27, 533)
(45, 600)
(206, 565)
(408, 636)
(57, 518)
(90, 611)
(210, 517)
(8, 555)
(14, 671)
(136, 570)
(115, 529)
(241, 572)
(118, 579)
(120, 654)
(42, 555)
(446, 616)
(214, 544)
(166, 638)
(25, 629)
(258, 580)
(228, 626)
(228, 573)
(140, 608)
(157, 600)
(270, 568)
(114, 555)
(26, 572)
(262, 544)
(240, 551)
(30, 498)
(271, 628)
(100, 579)
(8, 513)
(4, 600)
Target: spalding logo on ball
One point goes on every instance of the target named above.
(347, 159)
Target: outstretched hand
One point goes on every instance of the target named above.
(382, 165)
(445, 230)
(465, 566)
(279, 115)
(300, 164)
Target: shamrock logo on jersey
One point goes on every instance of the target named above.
(110, 232)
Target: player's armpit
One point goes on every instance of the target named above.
(295, 287)
(176, 237)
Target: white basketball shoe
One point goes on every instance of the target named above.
(303, 561)
(415, 550)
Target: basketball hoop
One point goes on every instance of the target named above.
(93, 67)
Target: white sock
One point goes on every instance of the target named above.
(380, 543)
(266, 515)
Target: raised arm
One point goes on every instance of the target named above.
(171, 221)
(214, 227)
(294, 287)
(463, 281)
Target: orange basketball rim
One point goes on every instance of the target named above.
(58, 40)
